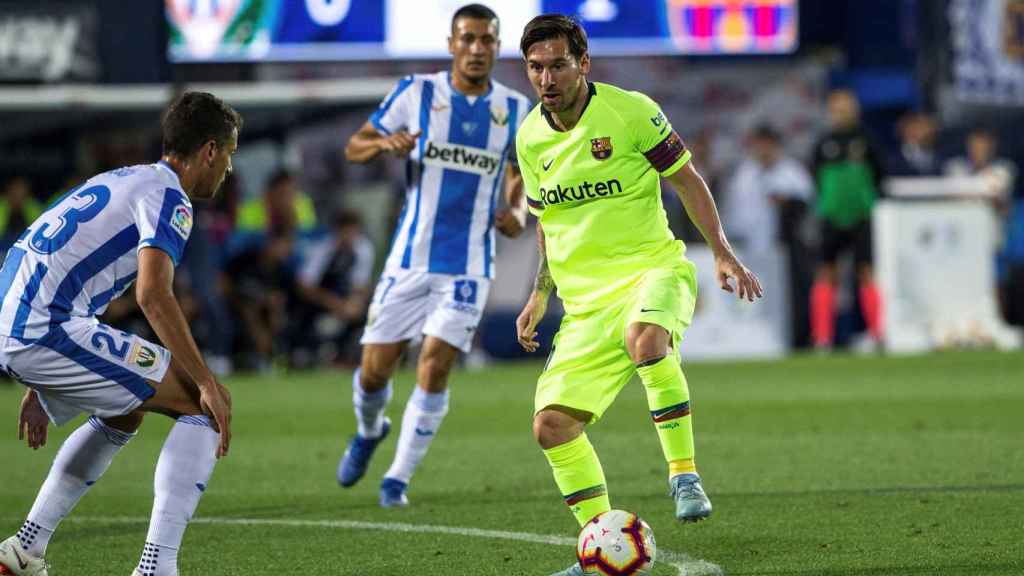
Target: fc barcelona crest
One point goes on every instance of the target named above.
(601, 148)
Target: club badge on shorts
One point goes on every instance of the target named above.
(142, 356)
(601, 148)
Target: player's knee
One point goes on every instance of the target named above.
(552, 428)
(432, 374)
(374, 374)
(372, 379)
(545, 430)
(648, 350)
(176, 394)
(649, 344)
(128, 423)
(377, 366)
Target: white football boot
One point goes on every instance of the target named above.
(16, 562)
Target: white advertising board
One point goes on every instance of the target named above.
(935, 266)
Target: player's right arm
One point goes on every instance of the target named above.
(368, 143)
(537, 305)
(543, 284)
(387, 130)
(33, 423)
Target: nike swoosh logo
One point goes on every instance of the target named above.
(548, 164)
(650, 310)
(422, 432)
(21, 562)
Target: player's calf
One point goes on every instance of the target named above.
(183, 471)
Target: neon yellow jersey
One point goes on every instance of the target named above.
(597, 193)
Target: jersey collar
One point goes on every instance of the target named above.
(477, 98)
(591, 92)
(167, 168)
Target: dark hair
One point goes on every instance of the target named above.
(983, 132)
(550, 26)
(766, 131)
(195, 118)
(476, 12)
(279, 177)
(344, 218)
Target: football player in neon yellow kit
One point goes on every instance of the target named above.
(592, 156)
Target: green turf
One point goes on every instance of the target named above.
(816, 466)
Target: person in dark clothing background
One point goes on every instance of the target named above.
(18, 209)
(847, 171)
(916, 155)
(334, 284)
(257, 282)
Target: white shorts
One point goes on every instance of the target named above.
(408, 303)
(86, 366)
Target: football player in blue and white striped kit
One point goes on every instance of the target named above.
(456, 129)
(123, 226)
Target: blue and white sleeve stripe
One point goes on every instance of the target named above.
(391, 115)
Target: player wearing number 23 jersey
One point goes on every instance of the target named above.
(64, 270)
(123, 227)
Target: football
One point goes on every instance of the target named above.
(616, 543)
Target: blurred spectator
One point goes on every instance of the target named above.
(1011, 289)
(916, 155)
(205, 255)
(257, 282)
(282, 206)
(333, 289)
(766, 207)
(999, 174)
(701, 148)
(847, 171)
(222, 211)
(18, 209)
(982, 160)
(767, 191)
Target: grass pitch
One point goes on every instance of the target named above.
(815, 466)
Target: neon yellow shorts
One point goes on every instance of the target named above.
(589, 363)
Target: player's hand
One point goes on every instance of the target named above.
(33, 423)
(399, 143)
(528, 319)
(507, 223)
(215, 400)
(747, 285)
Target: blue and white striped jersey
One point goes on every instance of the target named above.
(454, 173)
(82, 252)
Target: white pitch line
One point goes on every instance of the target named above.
(684, 564)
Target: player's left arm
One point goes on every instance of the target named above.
(511, 221)
(700, 207)
(654, 136)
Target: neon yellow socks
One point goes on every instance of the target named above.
(580, 478)
(669, 401)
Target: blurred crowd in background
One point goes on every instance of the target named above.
(280, 268)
